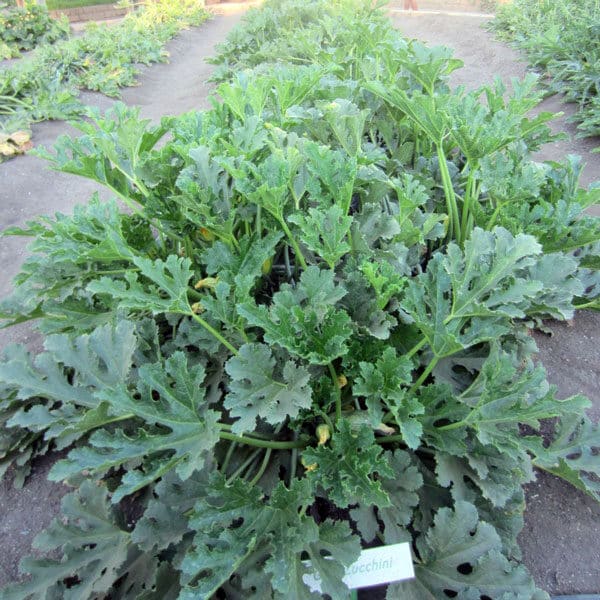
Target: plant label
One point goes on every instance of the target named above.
(375, 566)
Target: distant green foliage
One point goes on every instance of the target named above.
(57, 4)
(25, 28)
(105, 59)
(562, 40)
(308, 332)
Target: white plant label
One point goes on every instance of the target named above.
(374, 566)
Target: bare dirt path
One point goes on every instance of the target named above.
(29, 189)
(561, 538)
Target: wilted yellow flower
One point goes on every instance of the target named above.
(208, 282)
(323, 434)
(197, 308)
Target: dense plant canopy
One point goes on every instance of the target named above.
(308, 332)
(562, 40)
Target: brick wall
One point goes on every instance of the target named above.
(99, 12)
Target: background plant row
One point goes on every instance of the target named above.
(561, 38)
(308, 332)
(59, 4)
(105, 59)
(23, 28)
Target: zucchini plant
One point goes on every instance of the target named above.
(307, 331)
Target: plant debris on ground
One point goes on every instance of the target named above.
(105, 59)
(561, 39)
(309, 331)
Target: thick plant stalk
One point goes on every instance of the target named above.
(454, 228)
(214, 333)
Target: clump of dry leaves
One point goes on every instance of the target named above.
(14, 143)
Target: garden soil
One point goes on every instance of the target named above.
(561, 538)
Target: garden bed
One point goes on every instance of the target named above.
(556, 582)
(100, 12)
(45, 84)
